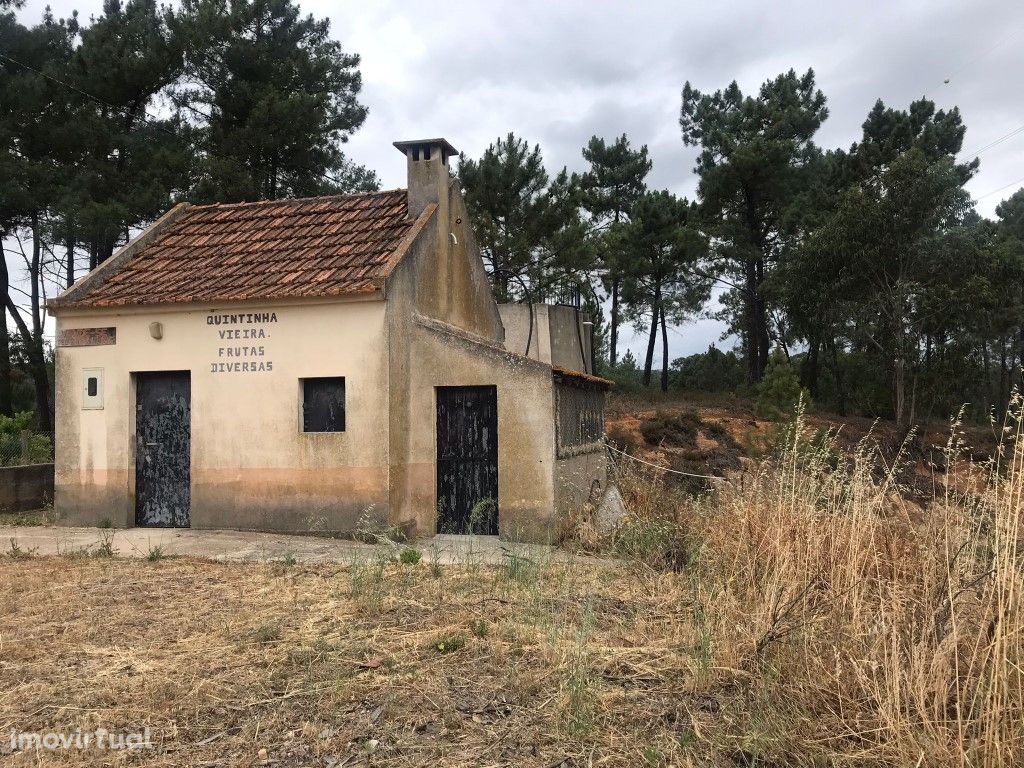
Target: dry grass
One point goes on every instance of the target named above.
(804, 616)
(533, 663)
(848, 626)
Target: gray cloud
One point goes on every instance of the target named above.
(558, 72)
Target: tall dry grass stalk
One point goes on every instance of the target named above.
(856, 625)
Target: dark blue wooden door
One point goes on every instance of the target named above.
(162, 449)
(467, 460)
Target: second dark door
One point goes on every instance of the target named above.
(162, 449)
(467, 460)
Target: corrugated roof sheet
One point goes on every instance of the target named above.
(581, 377)
(313, 247)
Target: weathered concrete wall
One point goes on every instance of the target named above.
(570, 338)
(554, 339)
(427, 350)
(526, 435)
(579, 479)
(252, 466)
(26, 487)
(517, 319)
(455, 287)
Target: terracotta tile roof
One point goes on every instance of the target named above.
(319, 246)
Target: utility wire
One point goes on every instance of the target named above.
(97, 99)
(1005, 186)
(997, 141)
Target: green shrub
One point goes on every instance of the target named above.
(410, 556)
(711, 371)
(450, 644)
(39, 448)
(479, 628)
(625, 373)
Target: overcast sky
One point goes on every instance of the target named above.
(559, 71)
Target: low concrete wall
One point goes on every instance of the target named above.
(25, 487)
(579, 479)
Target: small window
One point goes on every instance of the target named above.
(579, 419)
(92, 391)
(323, 404)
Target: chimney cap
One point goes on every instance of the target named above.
(446, 149)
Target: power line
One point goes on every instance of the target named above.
(97, 99)
(1005, 186)
(997, 141)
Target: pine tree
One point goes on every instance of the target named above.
(610, 188)
(125, 166)
(34, 114)
(529, 230)
(779, 391)
(274, 97)
(662, 284)
(753, 153)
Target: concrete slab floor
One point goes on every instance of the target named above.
(261, 547)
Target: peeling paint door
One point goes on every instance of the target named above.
(467, 460)
(162, 449)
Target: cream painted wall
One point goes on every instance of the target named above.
(252, 466)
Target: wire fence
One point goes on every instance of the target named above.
(25, 447)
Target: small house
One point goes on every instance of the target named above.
(322, 365)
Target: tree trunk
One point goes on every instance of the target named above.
(761, 310)
(37, 367)
(33, 275)
(6, 404)
(987, 367)
(809, 368)
(613, 354)
(899, 393)
(106, 250)
(1004, 380)
(837, 373)
(750, 341)
(649, 360)
(913, 400)
(69, 246)
(664, 353)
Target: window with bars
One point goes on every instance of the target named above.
(579, 415)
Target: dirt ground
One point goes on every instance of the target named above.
(720, 435)
(371, 663)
